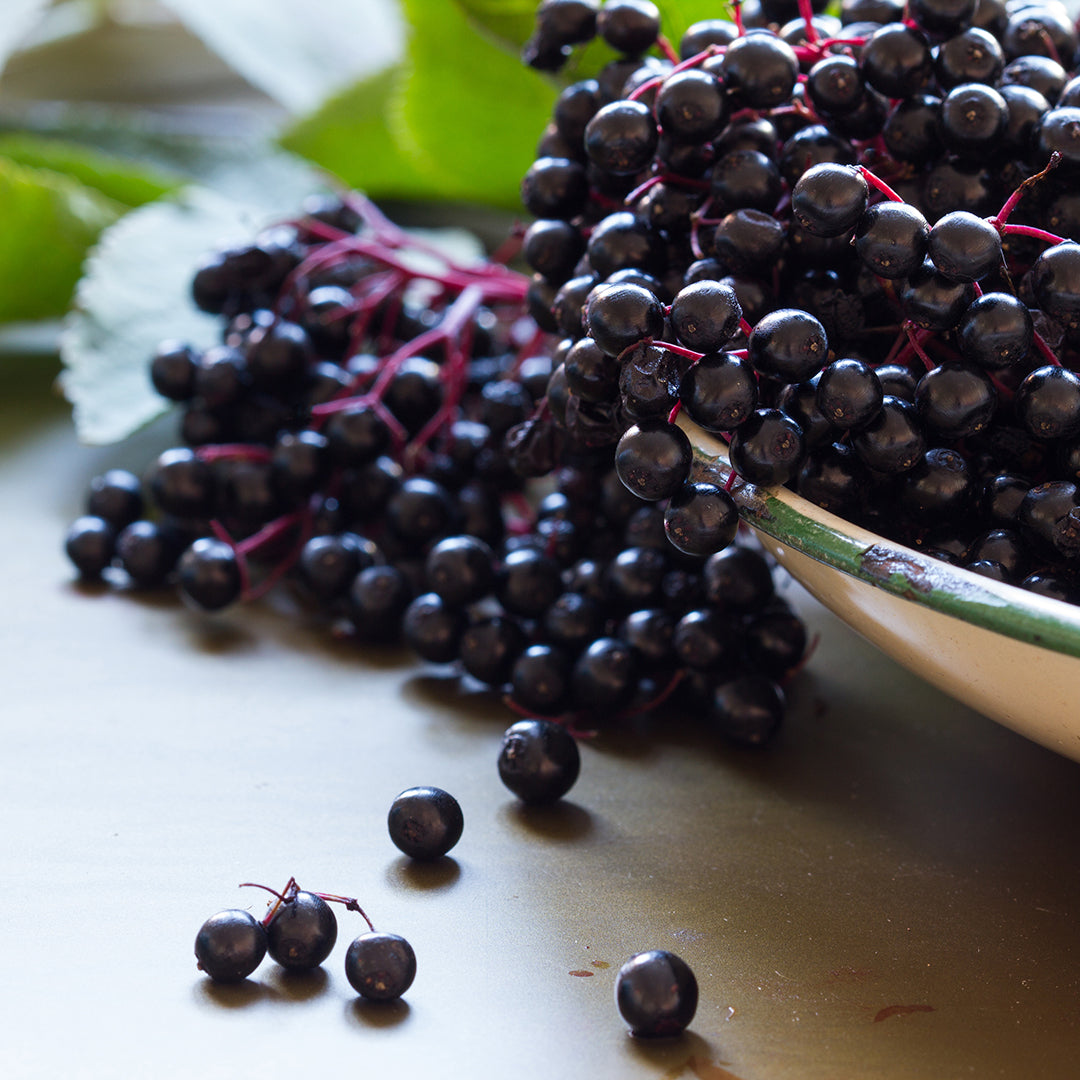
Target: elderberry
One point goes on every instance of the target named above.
(656, 994)
(425, 823)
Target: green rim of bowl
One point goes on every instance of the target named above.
(826, 538)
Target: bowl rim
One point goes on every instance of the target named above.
(827, 538)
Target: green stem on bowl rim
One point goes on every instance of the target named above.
(899, 570)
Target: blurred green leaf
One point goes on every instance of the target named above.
(117, 178)
(350, 137)
(471, 112)
(458, 121)
(50, 221)
(135, 293)
(136, 289)
(511, 21)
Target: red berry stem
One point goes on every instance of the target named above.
(678, 350)
(667, 48)
(1033, 232)
(232, 452)
(1002, 216)
(1043, 346)
(877, 182)
(916, 338)
(351, 904)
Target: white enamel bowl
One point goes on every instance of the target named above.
(1008, 653)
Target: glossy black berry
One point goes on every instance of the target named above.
(380, 966)
(460, 569)
(425, 822)
(148, 551)
(893, 440)
(604, 677)
(1047, 402)
(701, 518)
(89, 544)
(896, 60)
(996, 331)
(433, 628)
(761, 68)
(172, 370)
(719, 392)
(619, 316)
(230, 946)
(790, 344)
(489, 648)
(891, 239)
(209, 575)
(538, 761)
(621, 138)
(964, 247)
(705, 315)
(768, 448)
(748, 709)
(653, 459)
(302, 932)
(628, 26)
(690, 106)
(829, 199)
(955, 400)
(540, 680)
(656, 994)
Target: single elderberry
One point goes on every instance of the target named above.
(538, 761)
(701, 518)
(705, 315)
(230, 946)
(656, 994)
(425, 822)
(790, 344)
(891, 239)
(621, 138)
(964, 247)
(829, 199)
(1047, 402)
(380, 966)
(619, 316)
(209, 574)
(89, 544)
(302, 932)
(768, 448)
(653, 459)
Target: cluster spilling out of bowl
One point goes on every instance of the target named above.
(1008, 653)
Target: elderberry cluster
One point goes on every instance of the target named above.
(364, 434)
(848, 245)
(299, 932)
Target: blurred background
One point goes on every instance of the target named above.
(138, 135)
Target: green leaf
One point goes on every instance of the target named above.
(471, 113)
(511, 21)
(50, 221)
(349, 136)
(298, 53)
(137, 292)
(118, 179)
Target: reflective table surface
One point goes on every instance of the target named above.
(889, 891)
